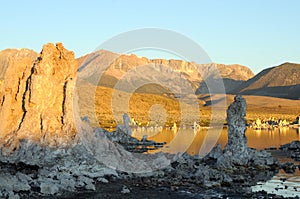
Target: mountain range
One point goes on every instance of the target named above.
(158, 76)
(279, 81)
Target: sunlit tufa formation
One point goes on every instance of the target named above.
(236, 152)
(237, 141)
(37, 97)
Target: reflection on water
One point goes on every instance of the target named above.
(186, 140)
(200, 142)
(271, 138)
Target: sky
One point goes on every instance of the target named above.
(257, 33)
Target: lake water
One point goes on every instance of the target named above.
(201, 142)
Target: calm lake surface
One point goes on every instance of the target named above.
(200, 142)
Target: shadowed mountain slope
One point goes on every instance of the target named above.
(281, 81)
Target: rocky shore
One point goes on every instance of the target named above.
(65, 172)
(39, 171)
(293, 150)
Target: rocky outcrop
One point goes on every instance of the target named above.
(293, 149)
(15, 57)
(1, 90)
(35, 170)
(13, 64)
(236, 152)
(37, 98)
(36, 119)
(125, 127)
(40, 170)
(236, 147)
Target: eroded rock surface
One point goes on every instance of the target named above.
(293, 149)
(16, 57)
(236, 152)
(1, 90)
(40, 170)
(37, 97)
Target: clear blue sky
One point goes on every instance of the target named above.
(258, 33)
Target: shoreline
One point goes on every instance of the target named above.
(101, 157)
(143, 187)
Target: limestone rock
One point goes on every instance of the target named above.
(17, 57)
(103, 180)
(126, 120)
(236, 152)
(52, 170)
(48, 188)
(237, 141)
(90, 187)
(37, 98)
(13, 67)
(125, 128)
(16, 182)
(125, 190)
(293, 149)
(1, 90)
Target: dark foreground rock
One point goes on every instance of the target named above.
(113, 190)
(293, 149)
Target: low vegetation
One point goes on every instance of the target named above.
(165, 109)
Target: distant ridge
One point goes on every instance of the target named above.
(233, 75)
(280, 81)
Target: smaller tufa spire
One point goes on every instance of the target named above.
(236, 113)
